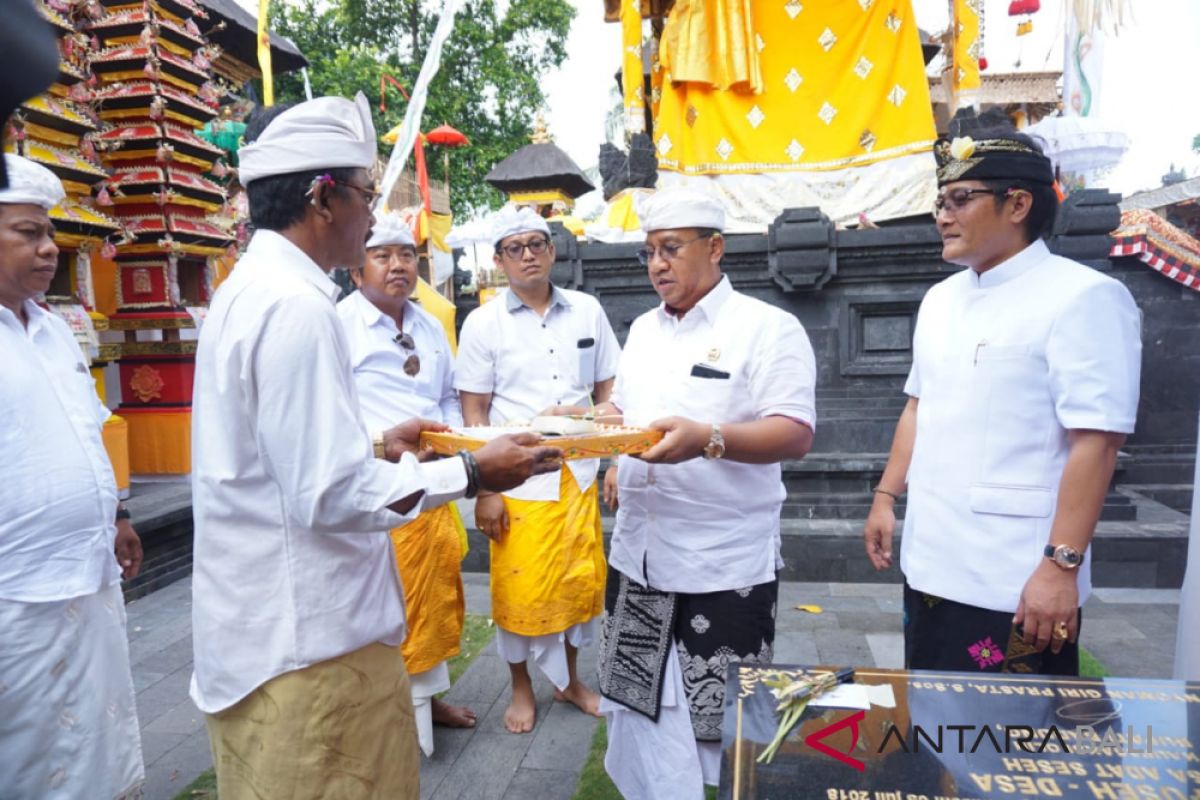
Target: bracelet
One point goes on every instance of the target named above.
(472, 468)
(881, 490)
(378, 446)
(123, 513)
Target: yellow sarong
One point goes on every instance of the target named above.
(548, 571)
(428, 555)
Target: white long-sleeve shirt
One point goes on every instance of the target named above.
(292, 561)
(58, 498)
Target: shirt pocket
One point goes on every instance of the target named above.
(1012, 500)
(585, 369)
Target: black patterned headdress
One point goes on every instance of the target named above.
(967, 159)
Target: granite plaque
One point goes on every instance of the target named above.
(894, 735)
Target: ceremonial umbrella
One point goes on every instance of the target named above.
(1081, 145)
(445, 136)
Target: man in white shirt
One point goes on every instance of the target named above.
(68, 720)
(695, 553)
(1023, 386)
(297, 611)
(403, 368)
(533, 347)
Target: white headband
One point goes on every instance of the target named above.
(510, 220)
(324, 133)
(679, 207)
(30, 182)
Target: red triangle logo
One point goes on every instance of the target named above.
(813, 740)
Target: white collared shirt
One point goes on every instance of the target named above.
(1005, 364)
(58, 497)
(707, 526)
(387, 394)
(528, 362)
(293, 563)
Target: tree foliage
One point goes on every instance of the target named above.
(488, 87)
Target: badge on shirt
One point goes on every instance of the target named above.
(714, 354)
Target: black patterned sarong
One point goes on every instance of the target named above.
(945, 635)
(710, 632)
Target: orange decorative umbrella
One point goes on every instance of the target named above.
(445, 136)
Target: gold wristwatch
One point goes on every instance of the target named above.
(716, 444)
(377, 444)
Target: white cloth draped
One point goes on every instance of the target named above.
(650, 760)
(68, 719)
(548, 652)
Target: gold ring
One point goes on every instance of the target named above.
(1060, 630)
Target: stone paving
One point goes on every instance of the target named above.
(1131, 631)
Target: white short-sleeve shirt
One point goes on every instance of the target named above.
(1004, 365)
(707, 526)
(58, 497)
(386, 393)
(528, 362)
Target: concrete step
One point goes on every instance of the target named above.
(1174, 495)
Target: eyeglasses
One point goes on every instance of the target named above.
(370, 195)
(412, 364)
(668, 251)
(515, 250)
(954, 201)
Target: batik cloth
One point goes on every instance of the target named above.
(68, 719)
(428, 555)
(945, 635)
(548, 570)
(339, 728)
(710, 631)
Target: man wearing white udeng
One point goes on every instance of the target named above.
(297, 611)
(730, 381)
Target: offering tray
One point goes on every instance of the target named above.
(605, 441)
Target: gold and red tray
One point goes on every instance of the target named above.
(605, 441)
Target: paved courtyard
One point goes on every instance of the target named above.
(1131, 631)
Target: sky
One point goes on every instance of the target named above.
(1147, 89)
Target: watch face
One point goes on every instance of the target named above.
(1067, 557)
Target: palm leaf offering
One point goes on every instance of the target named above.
(793, 691)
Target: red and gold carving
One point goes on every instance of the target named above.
(146, 383)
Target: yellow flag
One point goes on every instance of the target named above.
(264, 53)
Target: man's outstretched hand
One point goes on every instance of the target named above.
(508, 461)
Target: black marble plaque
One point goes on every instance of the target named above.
(961, 736)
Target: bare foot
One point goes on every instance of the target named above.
(522, 710)
(451, 716)
(581, 696)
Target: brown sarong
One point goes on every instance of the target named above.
(341, 728)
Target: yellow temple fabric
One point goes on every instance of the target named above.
(443, 309)
(842, 84)
(967, 25)
(548, 571)
(428, 552)
(631, 67)
(711, 42)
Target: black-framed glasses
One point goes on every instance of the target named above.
(515, 250)
(370, 195)
(669, 251)
(953, 201)
(412, 364)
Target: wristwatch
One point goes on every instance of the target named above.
(716, 444)
(377, 444)
(1064, 556)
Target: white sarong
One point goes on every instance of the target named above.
(68, 719)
